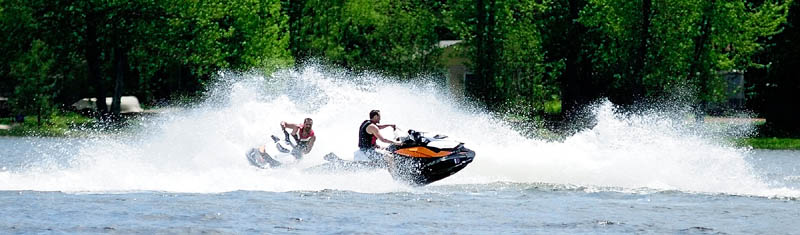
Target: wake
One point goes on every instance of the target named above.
(202, 148)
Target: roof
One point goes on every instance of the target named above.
(128, 104)
(447, 43)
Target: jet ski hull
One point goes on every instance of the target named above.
(261, 160)
(418, 171)
(338, 165)
(425, 170)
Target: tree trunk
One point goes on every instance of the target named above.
(38, 113)
(637, 85)
(697, 66)
(486, 53)
(120, 67)
(294, 9)
(92, 60)
(573, 96)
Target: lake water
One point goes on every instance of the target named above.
(185, 172)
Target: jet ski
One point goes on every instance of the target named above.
(422, 159)
(264, 161)
(338, 165)
(261, 160)
(419, 160)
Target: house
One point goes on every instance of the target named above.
(735, 90)
(456, 66)
(5, 110)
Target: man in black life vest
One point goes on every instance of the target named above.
(368, 134)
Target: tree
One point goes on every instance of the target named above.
(146, 46)
(576, 81)
(182, 52)
(34, 92)
(685, 43)
(395, 38)
(16, 22)
(776, 87)
(485, 40)
(506, 45)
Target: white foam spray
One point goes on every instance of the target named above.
(201, 149)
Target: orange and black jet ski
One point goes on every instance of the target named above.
(423, 159)
(419, 160)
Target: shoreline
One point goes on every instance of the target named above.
(772, 143)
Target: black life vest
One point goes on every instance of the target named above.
(365, 140)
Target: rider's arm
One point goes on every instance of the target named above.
(386, 125)
(373, 129)
(310, 145)
(293, 126)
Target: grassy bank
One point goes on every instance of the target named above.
(59, 124)
(771, 143)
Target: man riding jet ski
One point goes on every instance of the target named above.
(301, 133)
(417, 159)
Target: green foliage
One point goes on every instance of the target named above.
(17, 25)
(552, 107)
(771, 143)
(393, 37)
(522, 69)
(171, 46)
(239, 35)
(183, 49)
(525, 54)
(57, 124)
(511, 32)
(681, 51)
(34, 92)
